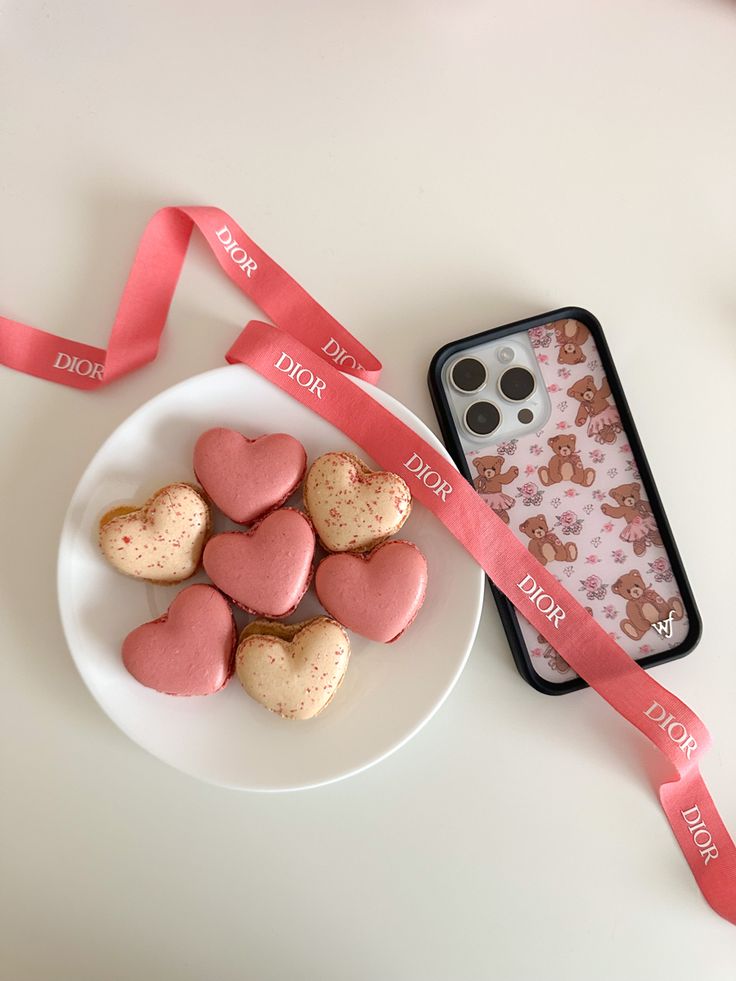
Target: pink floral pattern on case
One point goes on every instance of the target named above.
(572, 492)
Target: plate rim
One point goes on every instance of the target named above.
(68, 528)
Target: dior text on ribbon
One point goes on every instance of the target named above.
(236, 252)
(301, 375)
(543, 601)
(79, 366)
(701, 836)
(430, 478)
(337, 353)
(674, 729)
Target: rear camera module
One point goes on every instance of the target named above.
(468, 375)
(482, 418)
(517, 384)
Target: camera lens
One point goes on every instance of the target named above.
(516, 384)
(468, 375)
(482, 418)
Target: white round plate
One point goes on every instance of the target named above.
(389, 692)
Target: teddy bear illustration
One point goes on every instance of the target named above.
(490, 481)
(641, 528)
(565, 464)
(571, 335)
(644, 607)
(603, 419)
(556, 661)
(544, 545)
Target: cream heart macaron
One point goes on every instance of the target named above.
(247, 478)
(294, 669)
(187, 651)
(352, 507)
(162, 541)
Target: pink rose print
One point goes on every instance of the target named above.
(529, 470)
(660, 569)
(645, 649)
(593, 587)
(540, 337)
(563, 372)
(599, 495)
(571, 492)
(609, 611)
(597, 456)
(536, 449)
(608, 527)
(569, 523)
(591, 560)
(562, 424)
(554, 387)
(531, 496)
(618, 555)
(543, 359)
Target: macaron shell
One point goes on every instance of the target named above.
(377, 595)
(188, 651)
(352, 507)
(162, 541)
(247, 478)
(294, 673)
(266, 570)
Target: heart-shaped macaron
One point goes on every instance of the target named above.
(247, 478)
(352, 507)
(162, 541)
(377, 595)
(265, 570)
(187, 651)
(293, 669)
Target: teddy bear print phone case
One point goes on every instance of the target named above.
(534, 415)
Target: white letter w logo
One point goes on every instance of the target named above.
(664, 627)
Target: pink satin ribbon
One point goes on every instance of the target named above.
(308, 356)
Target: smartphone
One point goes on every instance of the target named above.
(534, 415)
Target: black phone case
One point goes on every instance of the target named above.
(542, 324)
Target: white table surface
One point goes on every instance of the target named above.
(426, 170)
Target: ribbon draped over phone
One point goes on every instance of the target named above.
(310, 356)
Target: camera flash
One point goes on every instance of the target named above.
(505, 355)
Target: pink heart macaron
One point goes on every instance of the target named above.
(377, 594)
(190, 650)
(266, 570)
(247, 478)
